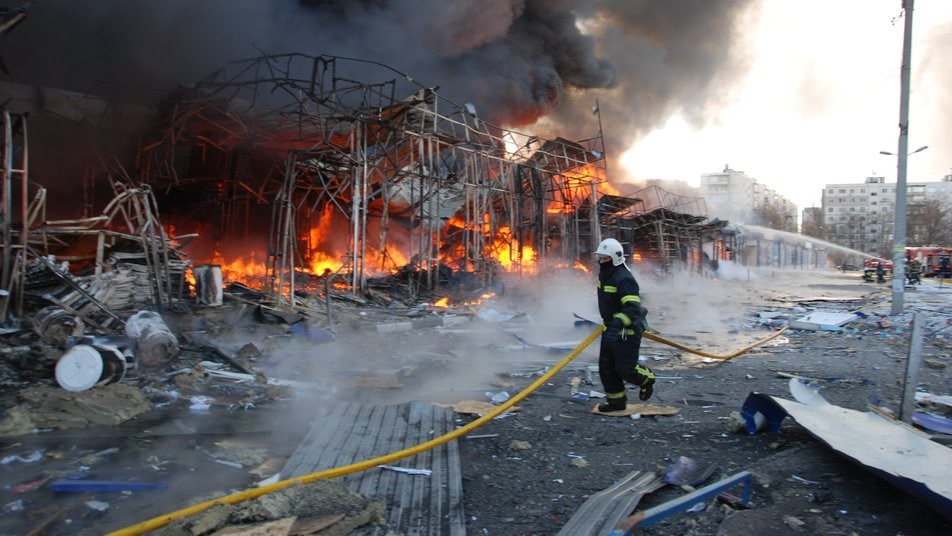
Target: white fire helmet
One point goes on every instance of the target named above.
(611, 248)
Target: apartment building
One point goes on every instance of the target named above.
(732, 195)
(861, 216)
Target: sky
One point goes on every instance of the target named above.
(819, 102)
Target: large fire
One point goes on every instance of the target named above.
(328, 251)
(577, 188)
(242, 269)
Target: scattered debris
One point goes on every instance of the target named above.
(687, 473)
(606, 509)
(408, 471)
(823, 321)
(48, 407)
(497, 398)
(516, 444)
(914, 463)
(305, 509)
(579, 462)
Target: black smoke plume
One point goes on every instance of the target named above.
(538, 66)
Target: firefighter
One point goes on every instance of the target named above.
(913, 272)
(619, 305)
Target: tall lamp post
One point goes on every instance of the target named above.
(899, 232)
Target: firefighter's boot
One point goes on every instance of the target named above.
(646, 388)
(614, 403)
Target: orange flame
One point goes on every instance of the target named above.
(481, 299)
(445, 301)
(510, 253)
(322, 263)
(577, 187)
(326, 251)
(241, 269)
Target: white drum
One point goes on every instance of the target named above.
(83, 367)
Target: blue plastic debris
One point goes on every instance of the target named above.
(310, 332)
(761, 412)
(687, 502)
(935, 423)
(79, 486)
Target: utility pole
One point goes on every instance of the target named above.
(899, 232)
(596, 221)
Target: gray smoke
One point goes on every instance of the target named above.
(516, 60)
(937, 46)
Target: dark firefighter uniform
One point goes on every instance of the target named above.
(619, 305)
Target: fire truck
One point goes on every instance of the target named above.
(932, 259)
(871, 264)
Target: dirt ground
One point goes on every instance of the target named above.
(529, 472)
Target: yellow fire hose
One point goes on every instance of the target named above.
(669, 342)
(162, 520)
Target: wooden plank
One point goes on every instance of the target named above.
(368, 449)
(329, 457)
(319, 437)
(371, 481)
(438, 466)
(356, 435)
(401, 493)
(417, 486)
(388, 479)
(420, 486)
(454, 487)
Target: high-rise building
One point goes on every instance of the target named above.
(732, 195)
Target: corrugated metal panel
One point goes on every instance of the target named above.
(351, 433)
(605, 509)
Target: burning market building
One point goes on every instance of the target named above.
(287, 170)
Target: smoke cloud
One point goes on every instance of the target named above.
(535, 65)
(939, 76)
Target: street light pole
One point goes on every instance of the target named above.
(899, 231)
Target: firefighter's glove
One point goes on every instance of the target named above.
(641, 323)
(614, 332)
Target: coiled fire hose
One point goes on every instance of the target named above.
(165, 519)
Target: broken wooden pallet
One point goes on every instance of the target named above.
(416, 503)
